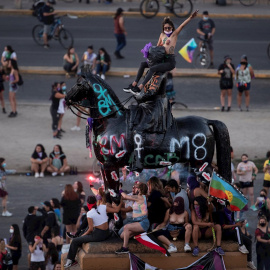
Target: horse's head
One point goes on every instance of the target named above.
(96, 93)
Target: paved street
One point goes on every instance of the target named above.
(233, 36)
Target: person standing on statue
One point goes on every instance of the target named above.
(167, 39)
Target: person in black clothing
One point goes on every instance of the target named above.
(2, 88)
(15, 245)
(155, 203)
(226, 70)
(48, 19)
(55, 97)
(49, 222)
(32, 224)
(39, 161)
(206, 29)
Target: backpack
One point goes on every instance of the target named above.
(56, 162)
(20, 82)
(39, 12)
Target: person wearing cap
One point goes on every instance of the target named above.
(48, 20)
(206, 29)
(119, 32)
(226, 72)
(89, 58)
(244, 73)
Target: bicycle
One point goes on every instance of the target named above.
(180, 8)
(202, 59)
(64, 37)
(248, 3)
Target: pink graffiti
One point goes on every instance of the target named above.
(203, 166)
(114, 176)
(206, 176)
(116, 217)
(112, 192)
(120, 154)
(109, 146)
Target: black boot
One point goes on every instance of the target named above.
(117, 55)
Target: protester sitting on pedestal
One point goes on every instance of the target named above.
(203, 224)
(58, 162)
(98, 228)
(39, 161)
(140, 222)
(177, 226)
(232, 230)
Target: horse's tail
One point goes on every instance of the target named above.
(223, 149)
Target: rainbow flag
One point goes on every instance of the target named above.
(223, 190)
(188, 50)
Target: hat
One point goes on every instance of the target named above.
(46, 203)
(244, 57)
(227, 57)
(119, 10)
(205, 12)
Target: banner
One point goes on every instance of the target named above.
(188, 50)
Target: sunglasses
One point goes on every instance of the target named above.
(168, 28)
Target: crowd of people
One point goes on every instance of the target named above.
(160, 207)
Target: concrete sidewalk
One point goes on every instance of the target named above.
(233, 9)
(33, 125)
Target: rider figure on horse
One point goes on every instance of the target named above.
(167, 39)
(150, 116)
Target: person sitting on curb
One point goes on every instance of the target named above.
(39, 161)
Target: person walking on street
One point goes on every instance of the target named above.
(48, 20)
(119, 32)
(244, 73)
(226, 70)
(206, 29)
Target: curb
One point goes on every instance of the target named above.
(83, 13)
(121, 72)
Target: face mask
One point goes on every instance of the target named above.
(11, 230)
(64, 88)
(205, 18)
(4, 165)
(56, 153)
(245, 161)
(262, 195)
(168, 34)
(262, 224)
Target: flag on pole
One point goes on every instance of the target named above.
(210, 261)
(188, 50)
(149, 240)
(223, 190)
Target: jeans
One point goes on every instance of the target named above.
(102, 68)
(96, 236)
(121, 41)
(55, 118)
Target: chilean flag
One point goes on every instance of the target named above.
(151, 241)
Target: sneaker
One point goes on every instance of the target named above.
(36, 175)
(12, 114)
(122, 250)
(243, 249)
(251, 265)
(57, 137)
(75, 128)
(54, 173)
(172, 248)
(187, 248)
(46, 46)
(195, 252)
(253, 207)
(220, 251)
(135, 90)
(62, 174)
(70, 235)
(63, 131)
(70, 263)
(128, 89)
(6, 214)
(41, 174)
(102, 76)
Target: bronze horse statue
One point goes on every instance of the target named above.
(189, 139)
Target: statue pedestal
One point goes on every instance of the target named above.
(101, 256)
